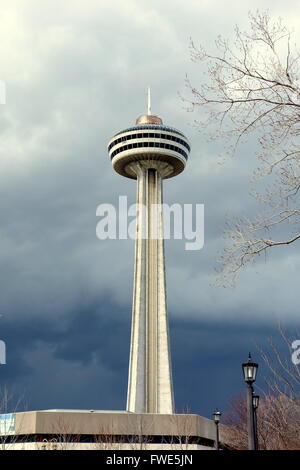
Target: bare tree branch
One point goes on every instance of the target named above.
(254, 87)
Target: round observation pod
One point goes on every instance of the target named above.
(148, 141)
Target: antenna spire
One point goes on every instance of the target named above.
(149, 102)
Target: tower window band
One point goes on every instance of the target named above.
(149, 144)
(149, 135)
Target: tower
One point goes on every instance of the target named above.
(149, 152)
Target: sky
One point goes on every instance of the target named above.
(76, 73)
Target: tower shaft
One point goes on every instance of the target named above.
(150, 388)
(149, 152)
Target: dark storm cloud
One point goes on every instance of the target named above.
(83, 362)
(82, 358)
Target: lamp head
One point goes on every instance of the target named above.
(250, 370)
(255, 399)
(217, 416)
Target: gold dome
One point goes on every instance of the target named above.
(148, 119)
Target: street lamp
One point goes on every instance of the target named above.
(255, 400)
(250, 370)
(217, 416)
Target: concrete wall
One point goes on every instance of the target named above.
(111, 423)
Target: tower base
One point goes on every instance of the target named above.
(105, 430)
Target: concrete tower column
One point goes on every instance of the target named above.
(150, 388)
(149, 152)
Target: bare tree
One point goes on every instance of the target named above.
(277, 423)
(253, 88)
(234, 434)
(278, 414)
(64, 436)
(142, 438)
(9, 404)
(281, 406)
(284, 373)
(183, 429)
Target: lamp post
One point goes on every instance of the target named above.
(217, 416)
(255, 400)
(250, 371)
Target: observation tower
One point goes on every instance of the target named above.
(149, 152)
